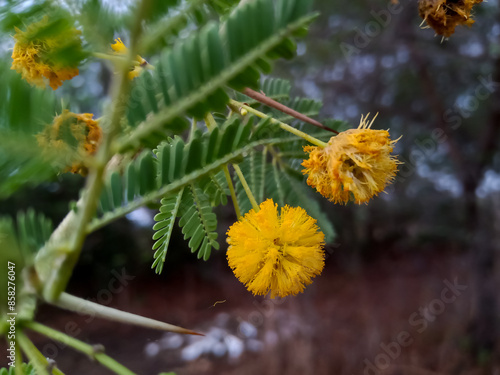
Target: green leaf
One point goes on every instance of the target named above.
(147, 172)
(26, 369)
(164, 32)
(8, 240)
(210, 141)
(216, 188)
(198, 222)
(100, 24)
(165, 223)
(24, 112)
(191, 76)
(33, 230)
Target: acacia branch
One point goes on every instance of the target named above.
(283, 108)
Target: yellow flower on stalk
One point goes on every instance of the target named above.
(277, 253)
(139, 62)
(31, 55)
(72, 135)
(356, 163)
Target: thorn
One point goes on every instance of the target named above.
(280, 107)
(188, 332)
(97, 349)
(51, 365)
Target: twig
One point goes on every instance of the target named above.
(283, 108)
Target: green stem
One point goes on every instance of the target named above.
(82, 347)
(246, 187)
(19, 362)
(263, 173)
(282, 125)
(231, 190)
(212, 124)
(56, 261)
(117, 59)
(40, 364)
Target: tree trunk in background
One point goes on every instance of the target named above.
(483, 327)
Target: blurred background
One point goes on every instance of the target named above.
(411, 283)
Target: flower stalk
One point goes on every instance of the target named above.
(211, 124)
(248, 191)
(36, 358)
(282, 125)
(232, 191)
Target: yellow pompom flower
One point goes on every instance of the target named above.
(356, 163)
(30, 55)
(72, 135)
(139, 62)
(277, 253)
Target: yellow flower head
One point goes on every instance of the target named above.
(31, 55)
(72, 135)
(444, 15)
(274, 252)
(356, 162)
(139, 62)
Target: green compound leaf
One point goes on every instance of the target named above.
(165, 223)
(166, 30)
(24, 112)
(33, 230)
(176, 163)
(22, 240)
(26, 369)
(198, 222)
(18, 249)
(190, 78)
(216, 188)
(140, 178)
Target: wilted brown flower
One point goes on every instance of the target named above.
(444, 15)
(72, 134)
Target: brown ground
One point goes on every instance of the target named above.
(335, 327)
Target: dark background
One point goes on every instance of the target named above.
(383, 304)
